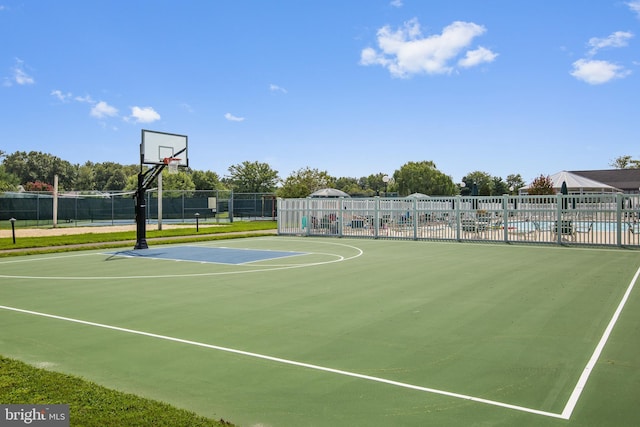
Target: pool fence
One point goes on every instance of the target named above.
(574, 219)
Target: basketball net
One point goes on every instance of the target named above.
(172, 164)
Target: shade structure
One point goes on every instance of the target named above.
(329, 192)
(418, 196)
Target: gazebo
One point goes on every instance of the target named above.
(328, 192)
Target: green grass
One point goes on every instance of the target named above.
(90, 404)
(44, 244)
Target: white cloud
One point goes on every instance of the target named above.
(102, 110)
(85, 98)
(406, 52)
(276, 88)
(64, 97)
(233, 118)
(396, 3)
(19, 75)
(597, 72)
(635, 7)
(188, 108)
(617, 39)
(144, 115)
(476, 57)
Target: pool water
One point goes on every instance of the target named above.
(607, 226)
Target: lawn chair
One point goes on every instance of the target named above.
(583, 227)
(525, 229)
(565, 229)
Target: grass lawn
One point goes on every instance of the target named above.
(90, 404)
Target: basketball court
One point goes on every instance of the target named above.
(286, 331)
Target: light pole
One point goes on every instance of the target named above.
(13, 229)
(385, 179)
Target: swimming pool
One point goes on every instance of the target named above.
(529, 226)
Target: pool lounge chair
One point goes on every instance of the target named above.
(565, 229)
(583, 227)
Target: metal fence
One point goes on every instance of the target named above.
(36, 208)
(586, 219)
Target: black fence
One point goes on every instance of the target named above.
(37, 208)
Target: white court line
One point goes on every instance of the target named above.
(264, 268)
(582, 381)
(566, 413)
(294, 363)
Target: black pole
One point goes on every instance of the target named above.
(13, 229)
(141, 213)
(197, 222)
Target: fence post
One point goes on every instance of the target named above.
(457, 205)
(376, 217)
(619, 207)
(505, 217)
(340, 218)
(307, 210)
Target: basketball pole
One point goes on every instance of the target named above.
(145, 180)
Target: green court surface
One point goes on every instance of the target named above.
(341, 332)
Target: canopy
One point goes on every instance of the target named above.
(329, 192)
(418, 196)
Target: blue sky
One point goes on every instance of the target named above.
(351, 87)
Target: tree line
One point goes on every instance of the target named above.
(35, 171)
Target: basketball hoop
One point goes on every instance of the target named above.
(172, 164)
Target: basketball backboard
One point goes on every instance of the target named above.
(156, 146)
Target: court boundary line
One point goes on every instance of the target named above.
(256, 267)
(565, 414)
(291, 362)
(124, 254)
(588, 369)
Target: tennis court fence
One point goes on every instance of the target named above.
(585, 219)
(109, 208)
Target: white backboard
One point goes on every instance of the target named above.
(156, 146)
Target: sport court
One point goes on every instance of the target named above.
(286, 331)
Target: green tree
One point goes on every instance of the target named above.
(207, 180)
(625, 162)
(103, 173)
(498, 186)
(37, 166)
(483, 181)
(253, 177)
(116, 181)
(305, 181)
(515, 183)
(177, 181)
(423, 177)
(542, 185)
(353, 187)
(85, 178)
(8, 181)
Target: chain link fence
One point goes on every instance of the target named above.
(104, 208)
